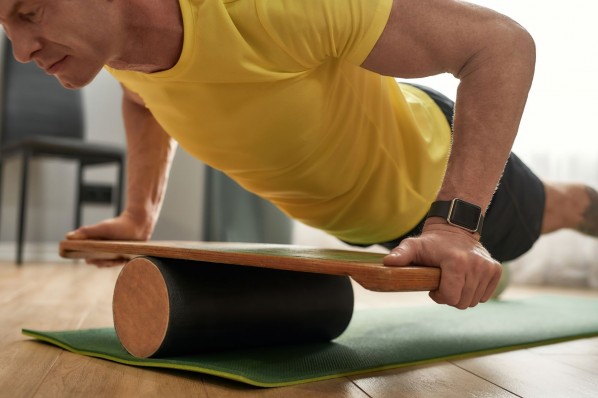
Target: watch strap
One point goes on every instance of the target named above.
(459, 213)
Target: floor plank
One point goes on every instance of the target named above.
(23, 364)
(531, 375)
(44, 297)
(428, 381)
(78, 376)
(585, 363)
(335, 388)
(581, 354)
(587, 346)
(16, 282)
(65, 296)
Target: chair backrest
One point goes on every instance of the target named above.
(35, 104)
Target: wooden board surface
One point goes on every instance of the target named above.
(364, 267)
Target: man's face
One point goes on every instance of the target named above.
(70, 39)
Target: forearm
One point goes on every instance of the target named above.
(493, 89)
(494, 59)
(149, 156)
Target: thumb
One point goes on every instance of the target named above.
(402, 255)
(88, 232)
(77, 234)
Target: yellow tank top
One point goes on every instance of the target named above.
(271, 93)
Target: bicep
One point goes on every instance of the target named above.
(429, 37)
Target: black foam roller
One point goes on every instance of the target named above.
(222, 307)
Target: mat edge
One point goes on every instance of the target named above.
(41, 337)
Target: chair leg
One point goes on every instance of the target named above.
(118, 195)
(78, 203)
(22, 207)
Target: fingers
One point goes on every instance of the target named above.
(118, 228)
(479, 281)
(81, 233)
(122, 227)
(102, 263)
(107, 260)
(464, 290)
(452, 284)
(469, 275)
(101, 230)
(492, 285)
(75, 235)
(403, 255)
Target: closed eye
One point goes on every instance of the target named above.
(32, 16)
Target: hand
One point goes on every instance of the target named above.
(469, 275)
(123, 227)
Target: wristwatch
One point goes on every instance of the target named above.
(459, 213)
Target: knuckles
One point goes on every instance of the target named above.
(466, 266)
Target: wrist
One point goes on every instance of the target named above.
(439, 224)
(459, 214)
(142, 220)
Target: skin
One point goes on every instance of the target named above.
(494, 60)
(41, 32)
(491, 55)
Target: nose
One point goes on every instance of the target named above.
(24, 45)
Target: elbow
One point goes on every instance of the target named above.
(523, 47)
(520, 55)
(506, 48)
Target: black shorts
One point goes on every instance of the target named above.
(513, 221)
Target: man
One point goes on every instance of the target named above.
(291, 99)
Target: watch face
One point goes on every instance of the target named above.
(464, 215)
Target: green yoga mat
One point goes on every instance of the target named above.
(375, 340)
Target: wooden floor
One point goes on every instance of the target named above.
(63, 296)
